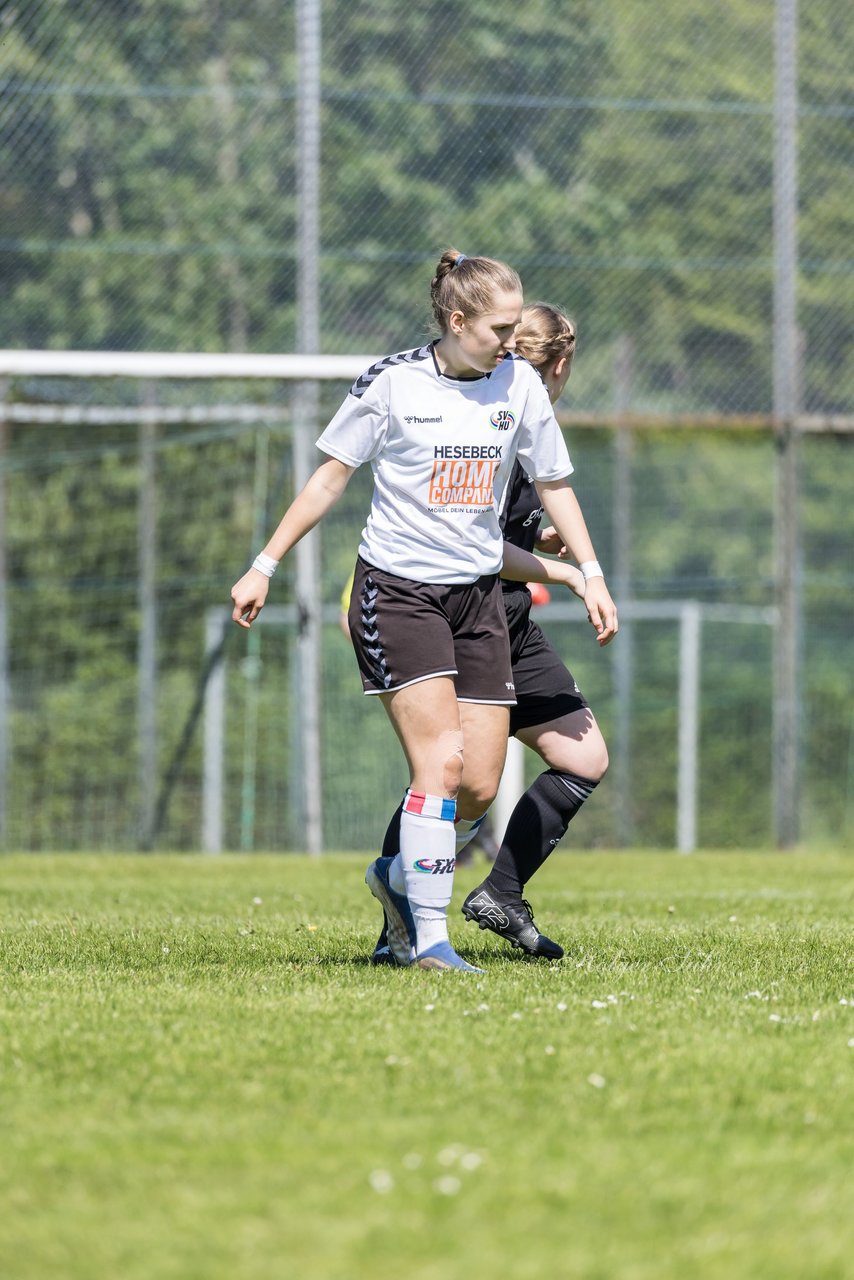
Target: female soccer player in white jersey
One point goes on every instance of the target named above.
(441, 426)
(551, 714)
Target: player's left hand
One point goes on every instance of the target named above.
(601, 610)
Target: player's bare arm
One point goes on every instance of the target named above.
(523, 566)
(320, 493)
(562, 508)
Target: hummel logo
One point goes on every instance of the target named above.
(413, 417)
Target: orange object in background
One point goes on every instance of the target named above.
(540, 593)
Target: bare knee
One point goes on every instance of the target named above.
(445, 762)
(475, 796)
(588, 760)
(453, 775)
(572, 745)
(597, 765)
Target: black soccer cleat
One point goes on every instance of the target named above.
(511, 920)
(382, 951)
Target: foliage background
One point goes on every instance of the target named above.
(620, 155)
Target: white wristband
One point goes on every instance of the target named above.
(265, 564)
(591, 569)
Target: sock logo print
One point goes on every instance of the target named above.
(435, 866)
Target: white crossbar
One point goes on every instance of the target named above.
(177, 364)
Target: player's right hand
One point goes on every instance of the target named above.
(249, 595)
(550, 541)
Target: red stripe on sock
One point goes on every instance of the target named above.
(414, 802)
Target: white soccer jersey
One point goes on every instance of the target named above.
(442, 450)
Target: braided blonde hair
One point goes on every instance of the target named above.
(544, 335)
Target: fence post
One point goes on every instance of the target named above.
(5, 759)
(690, 631)
(786, 404)
(213, 765)
(624, 644)
(252, 661)
(510, 789)
(306, 414)
(147, 599)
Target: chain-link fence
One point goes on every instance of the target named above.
(622, 156)
(134, 705)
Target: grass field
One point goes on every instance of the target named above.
(202, 1078)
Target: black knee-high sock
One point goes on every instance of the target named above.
(536, 826)
(391, 840)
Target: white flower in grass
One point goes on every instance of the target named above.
(257, 902)
(471, 1160)
(165, 949)
(428, 1008)
(447, 1186)
(450, 1155)
(599, 1004)
(483, 1008)
(774, 1017)
(381, 1181)
(851, 1043)
(597, 1081)
(412, 1160)
(549, 1049)
(561, 1008)
(517, 1017)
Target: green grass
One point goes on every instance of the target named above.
(202, 1078)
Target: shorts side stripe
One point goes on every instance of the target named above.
(418, 680)
(489, 702)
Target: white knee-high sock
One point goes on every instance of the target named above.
(426, 861)
(465, 829)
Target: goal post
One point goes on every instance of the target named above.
(150, 367)
(154, 393)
